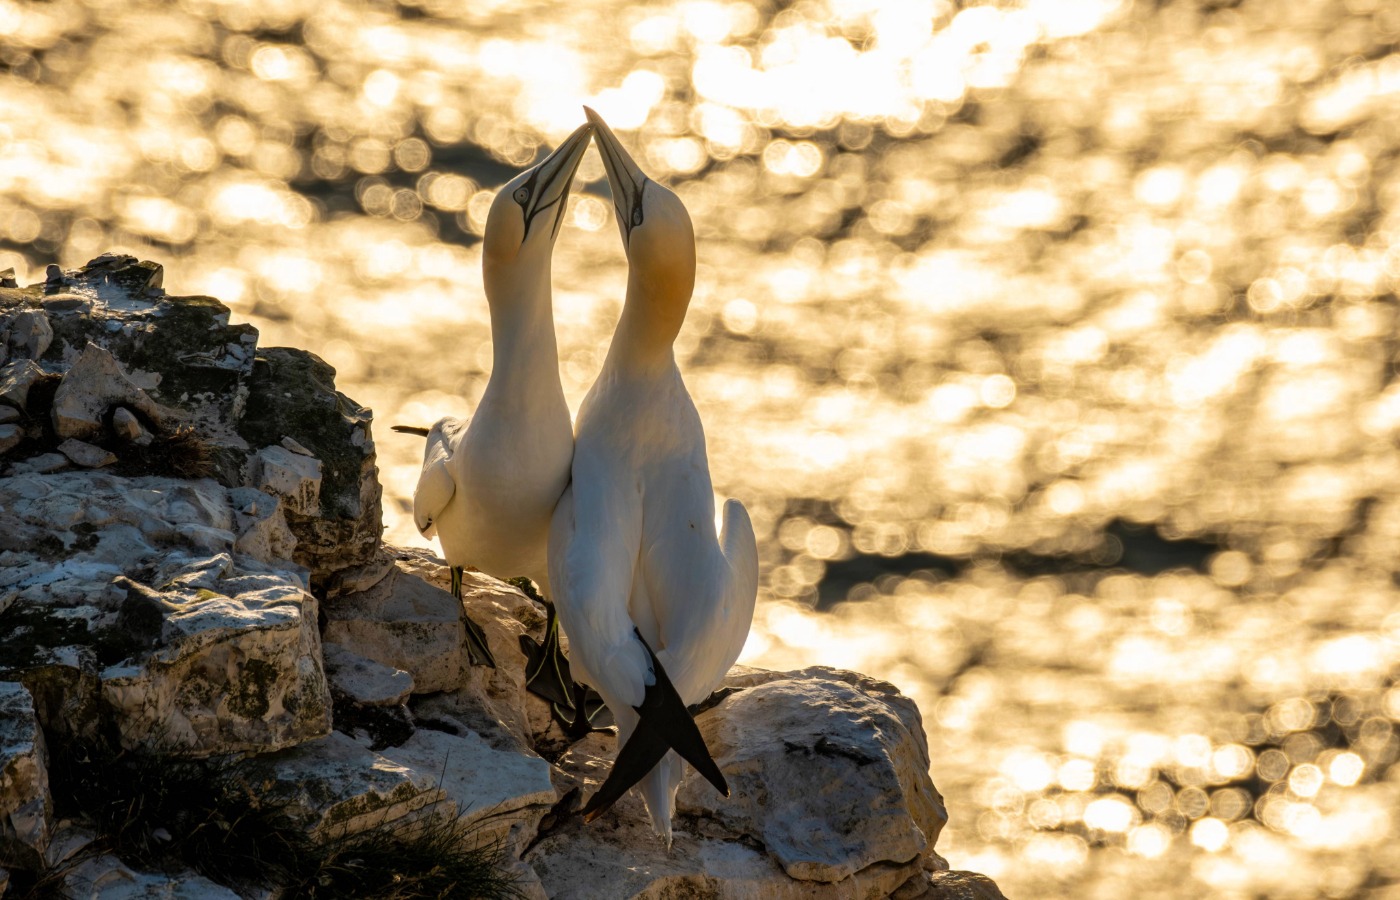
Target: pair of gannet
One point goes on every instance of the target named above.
(655, 604)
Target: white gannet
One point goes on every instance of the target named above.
(656, 606)
(488, 486)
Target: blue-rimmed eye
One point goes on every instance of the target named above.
(522, 195)
(637, 216)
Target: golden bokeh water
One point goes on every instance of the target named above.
(1050, 343)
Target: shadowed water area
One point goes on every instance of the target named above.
(1050, 344)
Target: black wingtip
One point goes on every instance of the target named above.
(410, 429)
(663, 712)
(636, 758)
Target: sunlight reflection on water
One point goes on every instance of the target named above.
(1048, 342)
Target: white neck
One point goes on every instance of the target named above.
(524, 352)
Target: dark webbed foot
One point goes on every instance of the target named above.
(478, 651)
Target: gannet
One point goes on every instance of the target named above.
(656, 606)
(488, 486)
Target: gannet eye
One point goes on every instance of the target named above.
(637, 216)
(522, 195)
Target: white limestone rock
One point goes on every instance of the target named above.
(221, 648)
(93, 385)
(334, 787)
(619, 856)
(492, 702)
(28, 334)
(828, 769)
(43, 464)
(106, 877)
(26, 808)
(406, 623)
(89, 456)
(294, 477)
(10, 435)
(8, 414)
(362, 680)
(503, 794)
(16, 378)
(129, 428)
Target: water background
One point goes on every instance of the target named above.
(1050, 344)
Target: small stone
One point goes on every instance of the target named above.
(7, 280)
(92, 386)
(16, 379)
(30, 334)
(43, 464)
(296, 448)
(53, 276)
(129, 428)
(86, 455)
(10, 436)
(57, 303)
(8, 414)
(365, 681)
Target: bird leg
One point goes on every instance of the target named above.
(478, 651)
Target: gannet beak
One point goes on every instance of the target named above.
(411, 429)
(549, 183)
(624, 176)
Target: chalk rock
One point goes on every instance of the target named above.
(129, 428)
(333, 787)
(26, 808)
(28, 334)
(42, 464)
(292, 395)
(293, 477)
(950, 886)
(828, 769)
(8, 414)
(106, 877)
(10, 435)
(492, 702)
(16, 379)
(405, 623)
(92, 386)
(504, 794)
(362, 680)
(196, 645)
(87, 455)
(619, 856)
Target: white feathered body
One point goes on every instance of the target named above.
(634, 546)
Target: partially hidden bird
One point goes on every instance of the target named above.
(490, 484)
(656, 605)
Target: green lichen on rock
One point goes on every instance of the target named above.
(292, 394)
(248, 696)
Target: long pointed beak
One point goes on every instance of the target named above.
(624, 176)
(550, 183)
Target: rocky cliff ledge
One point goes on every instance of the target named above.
(192, 585)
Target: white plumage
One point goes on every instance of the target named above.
(633, 548)
(489, 486)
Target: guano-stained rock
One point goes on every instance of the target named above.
(89, 456)
(293, 477)
(16, 379)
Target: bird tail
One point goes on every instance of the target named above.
(658, 789)
(736, 540)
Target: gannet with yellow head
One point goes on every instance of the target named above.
(489, 485)
(655, 604)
